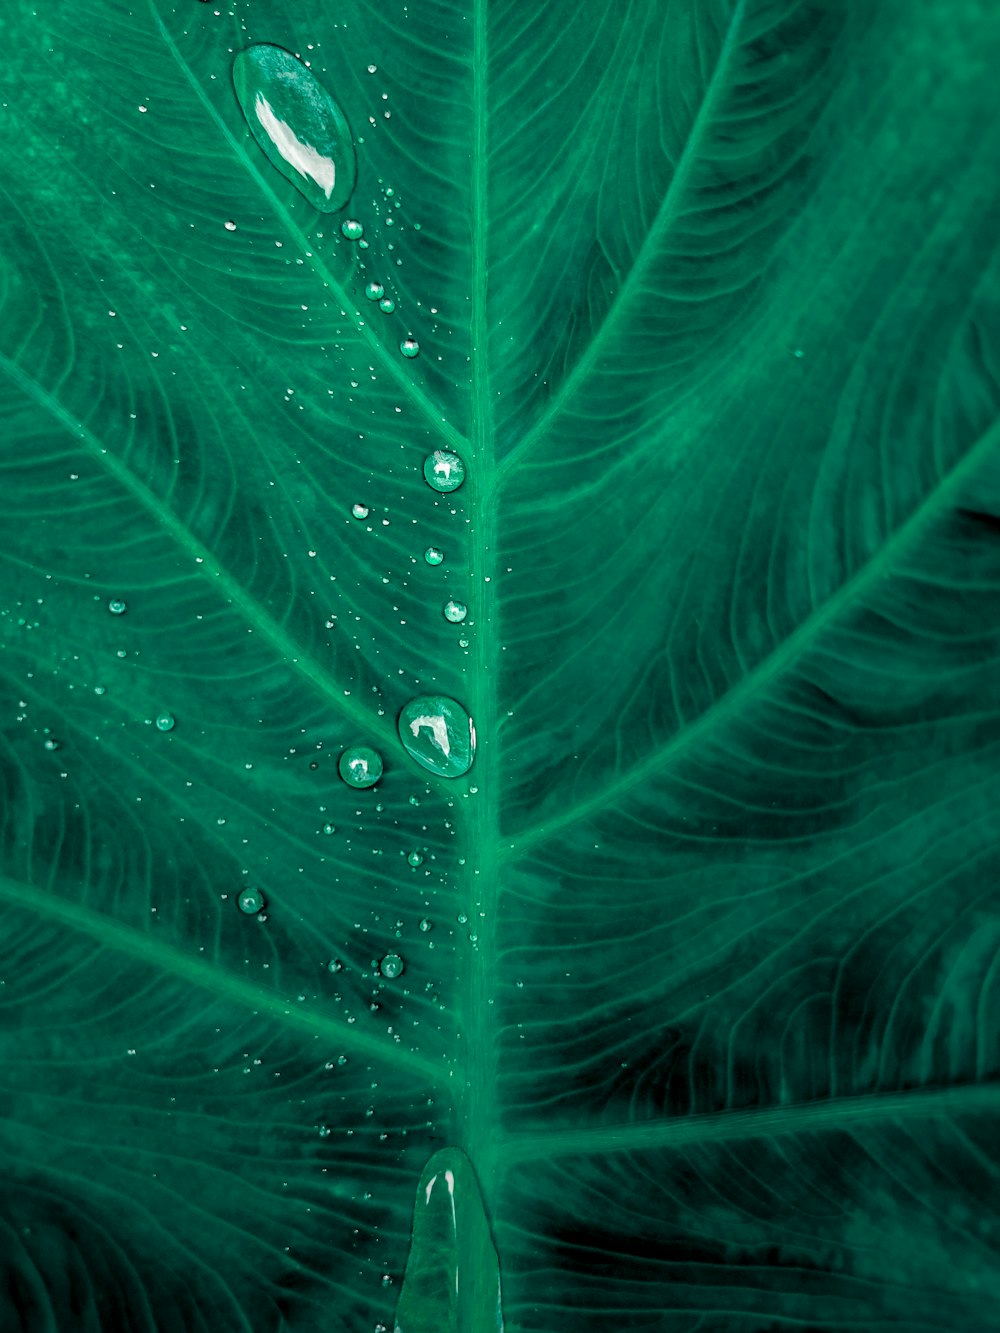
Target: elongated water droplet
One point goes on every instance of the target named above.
(444, 470)
(352, 229)
(374, 291)
(409, 347)
(391, 966)
(118, 606)
(250, 901)
(166, 722)
(416, 858)
(359, 511)
(439, 734)
(455, 612)
(452, 1278)
(360, 766)
(433, 556)
(387, 304)
(301, 129)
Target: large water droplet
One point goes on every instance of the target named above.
(166, 722)
(439, 734)
(118, 606)
(391, 966)
(433, 556)
(374, 291)
(410, 347)
(360, 766)
(387, 304)
(359, 511)
(250, 901)
(416, 858)
(443, 470)
(301, 129)
(455, 612)
(352, 229)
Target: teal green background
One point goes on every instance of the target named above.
(707, 297)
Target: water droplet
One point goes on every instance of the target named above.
(414, 800)
(426, 925)
(359, 511)
(53, 744)
(391, 966)
(409, 347)
(341, 1060)
(374, 291)
(352, 229)
(433, 556)
(443, 470)
(455, 612)
(301, 129)
(329, 828)
(439, 734)
(387, 304)
(230, 225)
(250, 901)
(360, 766)
(118, 606)
(166, 722)
(416, 858)
(335, 965)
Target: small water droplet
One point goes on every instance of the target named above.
(335, 965)
(360, 766)
(341, 1060)
(443, 470)
(433, 556)
(391, 966)
(463, 643)
(250, 901)
(455, 612)
(53, 744)
(409, 347)
(426, 925)
(118, 606)
(416, 858)
(325, 1131)
(329, 828)
(439, 734)
(359, 511)
(387, 304)
(301, 129)
(374, 291)
(165, 722)
(414, 800)
(230, 225)
(352, 229)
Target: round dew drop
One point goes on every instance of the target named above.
(387, 304)
(391, 966)
(410, 347)
(359, 511)
(335, 965)
(443, 470)
(166, 722)
(117, 606)
(250, 901)
(360, 766)
(425, 925)
(329, 828)
(352, 229)
(439, 734)
(433, 556)
(455, 612)
(302, 131)
(415, 858)
(374, 291)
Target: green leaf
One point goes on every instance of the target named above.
(693, 977)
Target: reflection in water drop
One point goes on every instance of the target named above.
(166, 722)
(374, 291)
(118, 606)
(455, 612)
(444, 470)
(360, 766)
(301, 129)
(433, 556)
(439, 734)
(250, 901)
(391, 966)
(352, 229)
(359, 511)
(387, 304)
(409, 347)
(415, 858)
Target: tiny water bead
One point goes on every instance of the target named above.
(165, 722)
(352, 229)
(53, 744)
(250, 901)
(335, 965)
(410, 347)
(329, 828)
(118, 606)
(301, 129)
(433, 556)
(415, 858)
(439, 734)
(455, 612)
(444, 470)
(374, 291)
(360, 766)
(391, 966)
(387, 304)
(360, 511)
